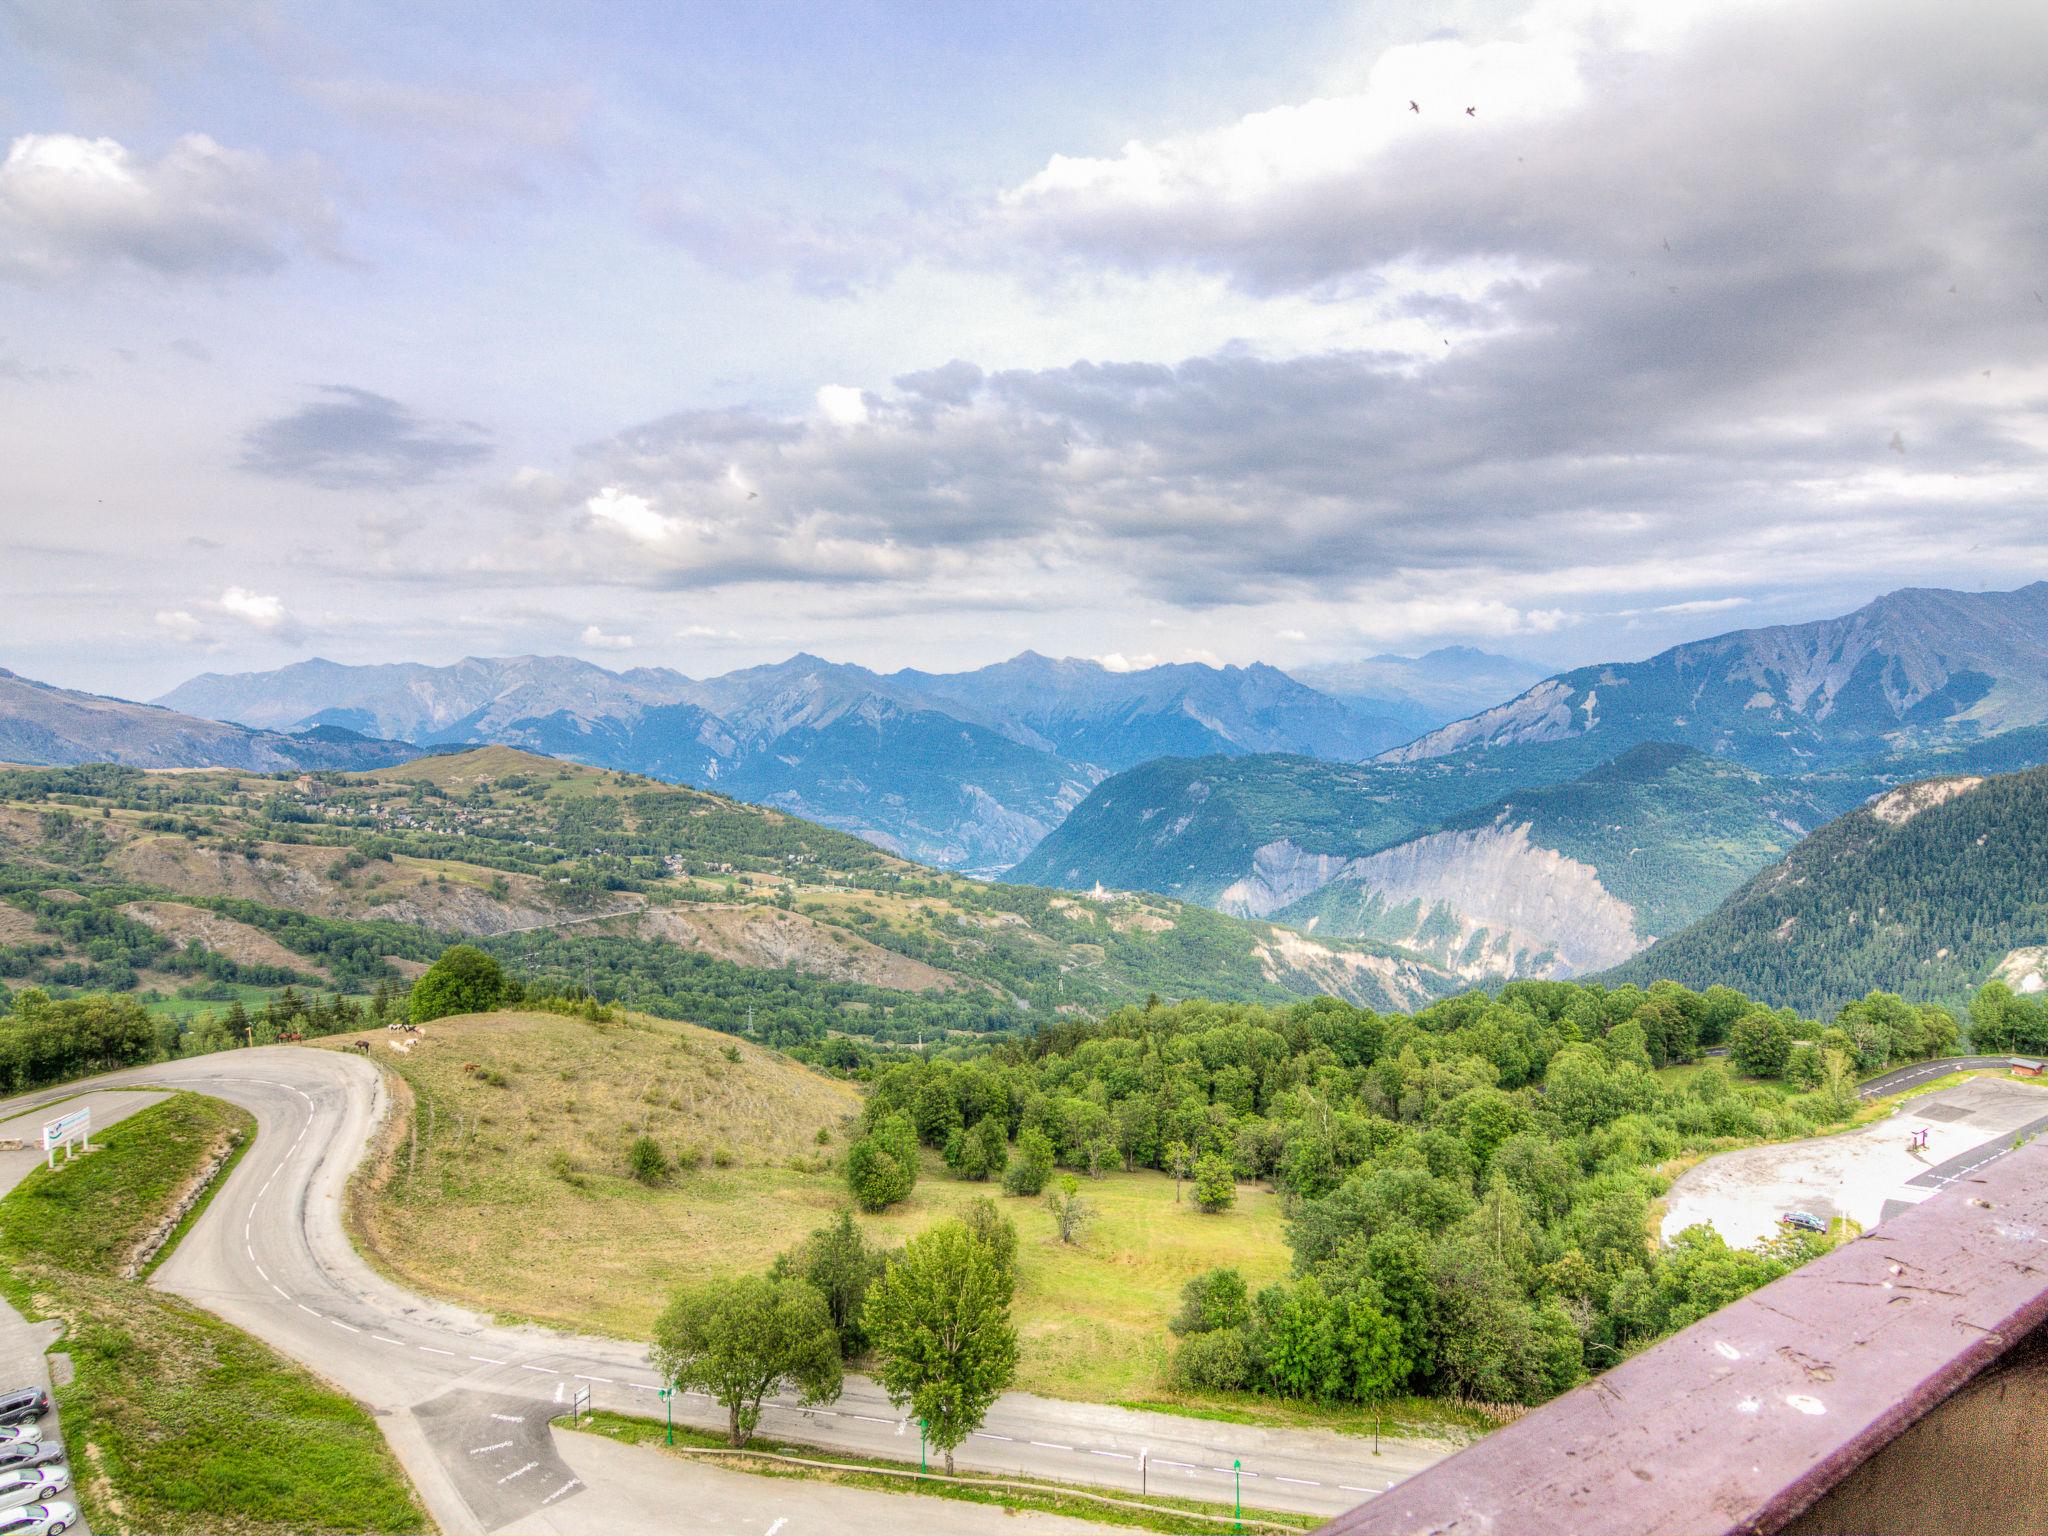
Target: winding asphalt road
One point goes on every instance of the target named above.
(466, 1401)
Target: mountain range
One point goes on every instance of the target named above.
(1602, 808)
(1920, 667)
(40, 724)
(965, 770)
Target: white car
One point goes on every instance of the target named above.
(33, 1485)
(49, 1519)
(11, 1434)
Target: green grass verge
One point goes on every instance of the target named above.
(179, 1424)
(1402, 1418)
(972, 1488)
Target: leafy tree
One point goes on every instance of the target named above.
(1071, 1211)
(940, 1319)
(1759, 1044)
(979, 1152)
(1377, 1365)
(1031, 1166)
(998, 1234)
(737, 1340)
(1180, 1161)
(463, 980)
(881, 1167)
(841, 1265)
(1215, 1184)
(1212, 1300)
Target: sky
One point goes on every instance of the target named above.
(918, 335)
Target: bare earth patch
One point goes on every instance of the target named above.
(770, 937)
(238, 941)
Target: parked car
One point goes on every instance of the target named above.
(12, 1432)
(30, 1453)
(1805, 1221)
(24, 1406)
(51, 1519)
(32, 1485)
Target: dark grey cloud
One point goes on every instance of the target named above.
(350, 438)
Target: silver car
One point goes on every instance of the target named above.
(33, 1485)
(51, 1519)
(10, 1433)
(29, 1453)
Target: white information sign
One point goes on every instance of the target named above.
(67, 1131)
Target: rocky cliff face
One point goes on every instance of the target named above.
(1484, 901)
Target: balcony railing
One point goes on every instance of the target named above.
(1897, 1384)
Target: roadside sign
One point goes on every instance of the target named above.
(67, 1131)
(582, 1404)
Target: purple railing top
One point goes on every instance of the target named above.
(1744, 1419)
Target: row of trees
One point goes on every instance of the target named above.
(934, 1316)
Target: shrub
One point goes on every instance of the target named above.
(1031, 1166)
(881, 1168)
(1215, 1184)
(1071, 1212)
(1219, 1361)
(646, 1161)
(1212, 1301)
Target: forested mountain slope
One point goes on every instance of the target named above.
(1925, 892)
(680, 902)
(1547, 880)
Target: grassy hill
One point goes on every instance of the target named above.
(535, 1112)
(1923, 892)
(677, 901)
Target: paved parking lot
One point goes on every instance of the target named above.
(1859, 1174)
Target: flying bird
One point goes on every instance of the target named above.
(1667, 243)
(753, 495)
(1414, 106)
(1898, 443)
(1471, 111)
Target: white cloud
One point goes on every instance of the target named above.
(69, 204)
(256, 609)
(1295, 635)
(181, 626)
(634, 516)
(843, 405)
(1117, 661)
(596, 639)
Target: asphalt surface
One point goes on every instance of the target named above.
(1905, 1077)
(465, 1400)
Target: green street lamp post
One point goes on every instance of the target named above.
(669, 1411)
(1237, 1475)
(923, 1428)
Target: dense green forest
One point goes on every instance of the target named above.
(1926, 906)
(1469, 1187)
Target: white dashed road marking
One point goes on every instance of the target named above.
(520, 1473)
(485, 1449)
